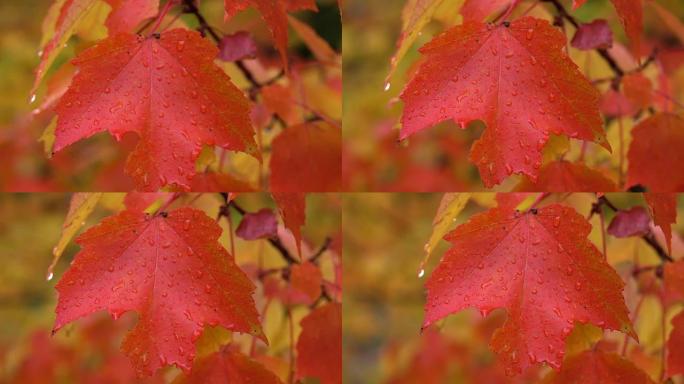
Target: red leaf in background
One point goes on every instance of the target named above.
(307, 278)
(168, 91)
(431, 362)
(598, 367)
(127, 14)
(219, 182)
(292, 207)
(258, 225)
(279, 101)
(631, 13)
(274, 13)
(616, 104)
(140, 201)
(307, 157)
(479, 10)
(227, 366)
(319, 348)
(516, 79)
(594, 35)
(675, 352)
(563, 176)
(664, 211)
(655, 152)
(171, 270)
(673, 277)
(44, 361)
(238, 46)
(638, 89)
(541, 268)
(632, 222)
(510, 200)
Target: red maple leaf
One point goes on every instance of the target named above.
(675, 352)
(171, 270)
(274, 13)
(168, 91)
(655, 151)
(517, 79)
(563, 176)
(541, 268)
(664, 211)
(228, 366)
(319, 348)
(598, 367)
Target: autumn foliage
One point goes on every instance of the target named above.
(524, 288)
(536, 95)
(190, 106)
(185, 308)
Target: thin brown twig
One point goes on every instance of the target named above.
(607, 57)
(191, 8)
(649, 238)
(275, 242)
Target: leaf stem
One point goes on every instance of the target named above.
(163, 13)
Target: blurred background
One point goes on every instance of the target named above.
(96, 163)
(436, 159)
(87, 350)
(384, 295)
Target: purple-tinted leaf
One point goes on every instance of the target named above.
(634, 222)
(237, 46)
(258, 225)
(596, 34)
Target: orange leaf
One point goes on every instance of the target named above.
(655, 152)
(307, 157)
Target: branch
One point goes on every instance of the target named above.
(601, 51)
(275, 242)
(649, 238)
(191, 8)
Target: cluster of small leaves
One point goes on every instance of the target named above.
(167, 265)
(169, 86)
(537, 263)
(514, 73)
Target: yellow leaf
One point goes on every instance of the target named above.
(55, 36)
(451, 205)
(582, 337)
(81, 206)
(48, 137)
(556, 146)
(415, 15)
(211, 341)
